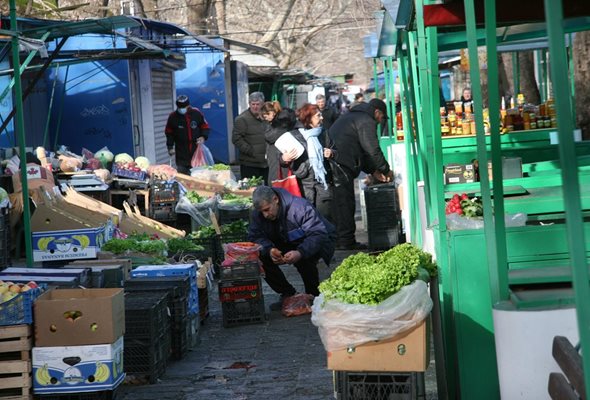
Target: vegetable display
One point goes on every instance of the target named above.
(237, 200)
(119, 246)
(463, 205)
(234, 228)
(219, 167)
(194, 197)
(181, 245)
(366, 279)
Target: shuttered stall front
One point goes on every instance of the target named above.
(163, 105)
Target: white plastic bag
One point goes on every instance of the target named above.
(200, 213)
(458, 222)
(343, 325)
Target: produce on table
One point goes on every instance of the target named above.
(10, 290)
(194, 197)
(136, 244)
(103, 174)
(105, 156)
(93, 164)
(129, 166)
(181, 245)
(123, 158)
(366, 279)
(218, 167)
(235, 228)
(142, 162)
(463, 205)
(161, 171)
(230, 199)
(69, 164)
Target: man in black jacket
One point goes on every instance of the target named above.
(355, 137)
(290, 231)
(185, 129)
(329, 115)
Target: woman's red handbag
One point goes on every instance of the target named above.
(289, 183)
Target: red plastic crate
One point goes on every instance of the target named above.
(243, 289)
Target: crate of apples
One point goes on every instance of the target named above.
(9, 290)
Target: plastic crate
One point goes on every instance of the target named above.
(239, 271)
(180, 332)
(203, 304)
(100, 395)
(142, 358)
(4, 238)
(242, 302)
(380, 196)
(177, 288)
(229, 215)
(210, 246)
(224, 239)
(146, 314)
(375, 386)
(162, 211)
(164, 191)
(19, 309)
(125, 173)
(384, 239)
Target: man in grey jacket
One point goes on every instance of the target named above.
(248, 137)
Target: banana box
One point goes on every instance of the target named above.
(60, 235)
(75, 369)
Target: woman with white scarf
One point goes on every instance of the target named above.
(311, 168)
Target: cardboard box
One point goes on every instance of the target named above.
(459, 173)
(408, 352)
(99, 317)
(75, 369)
(37, 176)
(511, 168)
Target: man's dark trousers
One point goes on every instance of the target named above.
(344, 210)
(307, 268)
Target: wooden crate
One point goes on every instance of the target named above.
(15, 362)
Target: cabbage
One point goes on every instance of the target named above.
(142, 162)
(123, 158)
(104, 156)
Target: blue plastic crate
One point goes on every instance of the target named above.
(19, 310)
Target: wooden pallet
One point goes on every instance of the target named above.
(15, 362)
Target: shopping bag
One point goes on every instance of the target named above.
(202, 157)
(289, 183)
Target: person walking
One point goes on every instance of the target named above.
(185, 129)
(359, 98)
(280, 121)
(248, 136)
(329, 114)
(290, 231)
(355, 137)
(311, 168)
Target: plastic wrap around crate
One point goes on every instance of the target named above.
(224, 239)
(228, 215)
(100, 395)
(375, 385)
(145, 358)
(4, 238)
(250, 270)
(125, 173)
(146, 314)
(164, 191)
(19, 309)
(242, 302)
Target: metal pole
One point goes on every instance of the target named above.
(20, 129)
(50, 107)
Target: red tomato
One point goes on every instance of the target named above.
(456, 198)
(464, 196)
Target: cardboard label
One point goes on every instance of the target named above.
(239, 290)
(459, 173)
(74, 369)
(68, 245)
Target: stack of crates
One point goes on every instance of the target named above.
(177, 289)
(383, 216)
(4, 238)
(377, 386)
(147, 334)
(240, 294)
(164, 196)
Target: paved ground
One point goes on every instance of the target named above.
(282, 358)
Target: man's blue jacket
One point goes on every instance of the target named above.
(299, 226)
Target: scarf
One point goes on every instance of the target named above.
(315, 152)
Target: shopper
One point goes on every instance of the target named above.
(290, 231)
(185, 129)
(329, 114)
(311, 168)
(248, 137)
(355, 137)
(281, 121)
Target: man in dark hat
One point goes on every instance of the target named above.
(185, 129)
(355, 136)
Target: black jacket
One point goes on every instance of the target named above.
(329, 116)
(182, 132)
(299, 226)
(248, 137)
(355, 136)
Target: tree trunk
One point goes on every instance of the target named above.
(581, 48)
(221, 16)
(528, 84)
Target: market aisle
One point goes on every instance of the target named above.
(282, 358)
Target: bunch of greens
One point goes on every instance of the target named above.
(194, 197)
(181, 245)
(203, 232)
(255, 181)
(219, 167)
(136, 244)
(234, 199)
(365, 279)
(238, 227)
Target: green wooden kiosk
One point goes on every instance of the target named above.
(497, 281)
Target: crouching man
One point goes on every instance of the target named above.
(290, 231)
